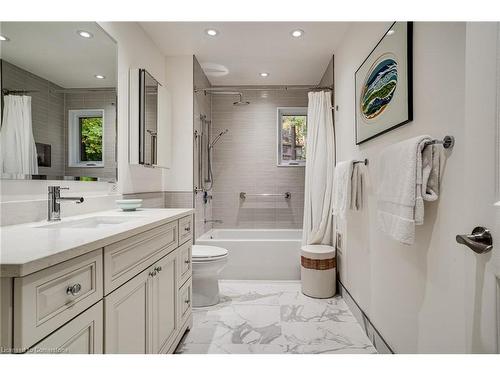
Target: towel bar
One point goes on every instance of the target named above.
(365, 162)
(447, 142)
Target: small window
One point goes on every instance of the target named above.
(292, 136)
(85, 138)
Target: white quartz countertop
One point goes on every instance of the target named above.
(27, 248)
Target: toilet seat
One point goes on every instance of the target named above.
(204, 253)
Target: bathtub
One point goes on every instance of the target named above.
(258, 254)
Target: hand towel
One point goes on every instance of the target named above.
(342, 188)
(408, 174)
(356, 187)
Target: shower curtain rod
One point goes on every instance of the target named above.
(16, 92)
(83, 90)
(59, 91)
(262, 88)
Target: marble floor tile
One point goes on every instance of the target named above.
(273, 317)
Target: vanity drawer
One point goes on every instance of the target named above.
(82, 335)
(125, 259)
(184, 302)
(185, 229)
(47, 299)
(184, 265)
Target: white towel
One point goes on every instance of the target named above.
(408, 174)
(342, 188)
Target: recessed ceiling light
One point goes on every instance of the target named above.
(297, 33)
(264, 74)
(85, 34)
(390, 32)
(211, 32)
(100, 76)
(3, 38)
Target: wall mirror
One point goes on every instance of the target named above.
(149, 124)
(497, 171)
(58, 101)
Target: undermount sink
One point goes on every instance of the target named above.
(91, 222)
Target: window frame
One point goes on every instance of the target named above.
(287, 111)
(74, 138)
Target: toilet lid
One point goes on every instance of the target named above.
(204, 252)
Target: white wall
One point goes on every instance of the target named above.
(135, 50)
(413, 294)
(179, 83)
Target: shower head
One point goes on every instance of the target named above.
(211, 145)
(240, 102)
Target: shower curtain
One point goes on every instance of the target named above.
(320, 163)
(17, 144)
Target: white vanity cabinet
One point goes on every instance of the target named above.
(140, 315)
(130, 296)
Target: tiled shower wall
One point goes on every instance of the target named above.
(245, 160)
(202, 106)
(49, 110)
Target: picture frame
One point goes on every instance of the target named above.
(384, 84)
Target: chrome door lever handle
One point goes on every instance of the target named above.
(480, 241)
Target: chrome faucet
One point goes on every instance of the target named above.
(54, 200)
(213, 221)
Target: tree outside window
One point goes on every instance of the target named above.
(90, 138)
(292, 131)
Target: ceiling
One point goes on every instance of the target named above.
(245, 49)
(54, 51)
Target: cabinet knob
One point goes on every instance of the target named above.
(158, 269)
(187, 302)
(187, 229)
(74, 290)
(153, 273)
(187, 261)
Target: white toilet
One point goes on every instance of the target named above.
(208, 262)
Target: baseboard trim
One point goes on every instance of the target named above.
(373, 334)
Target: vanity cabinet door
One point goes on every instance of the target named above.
(82, 335)
(164, 306)
(127, 317)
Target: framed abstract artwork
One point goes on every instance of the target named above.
(384, 84)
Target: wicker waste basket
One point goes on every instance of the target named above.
(318, 271)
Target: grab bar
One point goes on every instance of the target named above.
(286, 195)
